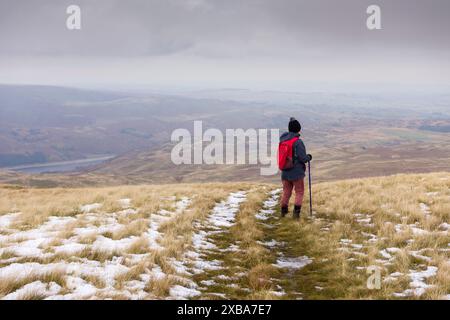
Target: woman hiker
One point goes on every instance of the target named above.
(292, 159)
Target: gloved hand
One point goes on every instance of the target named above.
(309, 157)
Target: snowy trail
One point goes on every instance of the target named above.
(195, 261)
(285, 261)
(44, 252)
(162, 216)
(210, 260)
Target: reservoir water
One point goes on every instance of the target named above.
(62, 166)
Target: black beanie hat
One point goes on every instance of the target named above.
(294, 125)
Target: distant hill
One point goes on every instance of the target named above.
(349, 135)
(70, 124)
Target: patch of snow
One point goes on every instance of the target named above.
(392, 277)
(7, 219)
(417, 283)
(183, 204)
(372, 238)
(74, 272)
(224, 213)
(79, 289)
(87, 208)
(182, 293)
(127, 211)
(34, 288)
(29, 242)
(269, 205)
(69, 248)
(272, 243)
(157, 273)
(179, 267)
(208, 282)
(418, 255)
(109, 245)
(28, 248)
(21, 270)
(201, 265)
(444, 226)
(278, 293)
(396, 274)
(424, 208)
(233, 248)
(125, 203)
(393, 250)
(276, 191)
(414, 229)
(363, 219)
(154, 235)
(293, 263)
(385, 254)
(200, 242)
(318, 288)
(418, 231)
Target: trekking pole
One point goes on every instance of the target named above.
(310, 192)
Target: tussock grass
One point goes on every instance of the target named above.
(160, 287)
(94, 280)
(11, 284)
(139, 246)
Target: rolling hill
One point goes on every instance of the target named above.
(350, 135)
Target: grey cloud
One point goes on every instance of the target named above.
(221, 27)
(225, 42)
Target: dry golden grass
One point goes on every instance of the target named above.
(36, 207)
(160, 287)
(393, 205)
(391, 210)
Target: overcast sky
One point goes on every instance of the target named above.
(226, 43)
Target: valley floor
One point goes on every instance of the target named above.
(228, 241)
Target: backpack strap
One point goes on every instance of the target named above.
(294, 150)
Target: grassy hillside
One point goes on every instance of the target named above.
(226, 240)
(349, 135)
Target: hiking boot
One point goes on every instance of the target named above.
(297, 210)
(284, 211)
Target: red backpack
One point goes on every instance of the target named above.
(286, 154)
